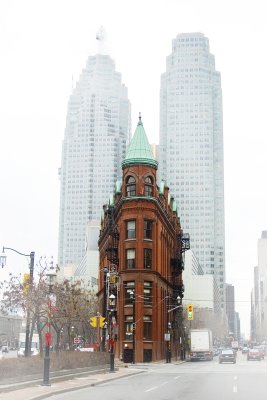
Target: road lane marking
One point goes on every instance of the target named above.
(235, 389)
(235, 378)
(153, 388)
(156, 387)
(163, 383)
(176, 377)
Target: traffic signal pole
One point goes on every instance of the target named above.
(104, 312)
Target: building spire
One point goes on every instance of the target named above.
(139, 151)
(102, 41)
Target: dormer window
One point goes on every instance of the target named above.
(148, 186)
(130, 186)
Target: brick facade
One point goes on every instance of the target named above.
(141, 265)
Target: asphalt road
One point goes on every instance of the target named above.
(244, 380)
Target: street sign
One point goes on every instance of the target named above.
(76, 340)
(167, 337)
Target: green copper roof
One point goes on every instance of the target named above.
(139, 150)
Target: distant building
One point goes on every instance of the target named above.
(87, 270)
(230, 309)
(259, 298)
(200, 289)
(237, 325)
(10, 327)
(191, 148)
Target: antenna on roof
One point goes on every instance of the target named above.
(100, 34)
(101, 37)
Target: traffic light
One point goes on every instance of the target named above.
(97, 321)
(26, 283)
(190, 312)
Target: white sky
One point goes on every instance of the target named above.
(43, 43)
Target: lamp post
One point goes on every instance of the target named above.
(132, 297)
(27, 352)
(103, 342)
(112, 322)
(51, 274)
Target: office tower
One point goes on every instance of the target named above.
(96, 134)
(191, 148)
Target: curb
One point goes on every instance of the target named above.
(34, 380)
(82, 386)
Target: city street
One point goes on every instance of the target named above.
(187, 381)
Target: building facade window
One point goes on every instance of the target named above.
(130, 186)
(147, 293)
(130, 258)
(128, 327)
(130, 229)
(147, 229)
(148, 186)
(128, 289)
(147, 258)
(147, 334)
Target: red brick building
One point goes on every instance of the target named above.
(141, 249)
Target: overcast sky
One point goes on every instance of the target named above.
(44, 45)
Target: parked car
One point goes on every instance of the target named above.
(245, 350)
(227, 355)
(254, 354)
(261, 350)
(4, 349)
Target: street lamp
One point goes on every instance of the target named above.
(28, 320)
(72, 343)
(51, 274)
(132, 297)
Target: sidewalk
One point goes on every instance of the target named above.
(32, 390)
(38, 392)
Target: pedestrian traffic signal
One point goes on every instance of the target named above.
(190, 312)
(97, 321)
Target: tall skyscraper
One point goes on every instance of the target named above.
(96, 134)
(191, 148)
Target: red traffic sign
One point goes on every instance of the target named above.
(76, 340)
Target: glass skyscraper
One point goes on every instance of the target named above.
(191, 148)
(96, 135)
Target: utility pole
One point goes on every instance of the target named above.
(104, 311)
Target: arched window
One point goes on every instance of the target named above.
(148, 186)
(130, 186)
